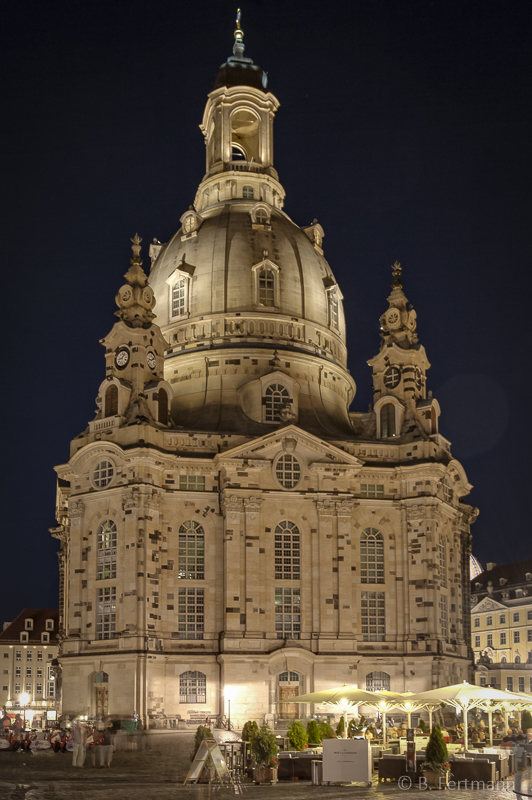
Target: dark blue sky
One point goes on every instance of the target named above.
(404, 128)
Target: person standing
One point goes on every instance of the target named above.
(106, 748)
(79, 736)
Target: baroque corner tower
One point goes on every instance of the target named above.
(227, 525)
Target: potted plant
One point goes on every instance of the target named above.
(340, 728)
(248, 729)
(325, 730)
(436, 767)
(313, 733)
(264, 755)
(297, 736)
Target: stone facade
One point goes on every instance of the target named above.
(229, 530)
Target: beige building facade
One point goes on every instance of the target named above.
(230, 531)
(28, 659)
(501, 626)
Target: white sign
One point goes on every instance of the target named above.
(347, 761)
(208, 749)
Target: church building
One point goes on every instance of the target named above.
(230, 531)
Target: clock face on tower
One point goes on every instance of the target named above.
(151, 360)
(122, 358)
(392, 377)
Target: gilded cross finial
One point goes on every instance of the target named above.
(239, 33)
(397, 272)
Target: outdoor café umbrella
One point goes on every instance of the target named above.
(464, 697)
(385, 701)
(345, 698)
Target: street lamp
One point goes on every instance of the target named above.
(23, 700)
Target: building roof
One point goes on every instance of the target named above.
(513, 576)
(39, 616)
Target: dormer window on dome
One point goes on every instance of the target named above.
(315, 233)
(179, 290)
(260, 217)
(248, 193)
(191, 223)
(266, 284)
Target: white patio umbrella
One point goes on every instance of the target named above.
(466, 696)
(345, 698)
(409, 706)
(385, 701)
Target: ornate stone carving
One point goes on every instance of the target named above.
(76, 509)
(326, 508)
(130, 499)
(345, 508)
(252, 507)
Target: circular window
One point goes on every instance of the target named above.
(103, 474)
(392, 377)
(288, 471)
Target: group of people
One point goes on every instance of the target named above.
(92, 740)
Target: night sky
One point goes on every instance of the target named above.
(404, 128)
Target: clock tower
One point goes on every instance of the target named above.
(134, 388)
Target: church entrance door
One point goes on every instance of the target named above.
(288, 687)
(102, 701)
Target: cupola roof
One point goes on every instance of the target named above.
(239, 70)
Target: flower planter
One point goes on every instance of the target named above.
(436, 780)
(265, 775)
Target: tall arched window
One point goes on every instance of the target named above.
(248, 193)
(101, 677)
(376, 681)
(266, 288)
(275, 397)
(111, 401)
(287, 551)
(192, 687)
(371, 556)
(387, 420)
(191, 551)
(106, 558)
(180, 297)
(162, 406)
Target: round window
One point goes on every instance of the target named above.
(103, 474)
(288, 471)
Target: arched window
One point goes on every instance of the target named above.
(191, 551)
(442, 557)
(287, 551)
(111, 401)
(266, 288)
(101, 677)
(275, 397)
(248, 193)
(387, 420)
(289, 677)
(180, 297)
(192, 687)
(517, 658)
(433, 420)
(261, 216)
(237, 152)
(371, 556)
(376, 681)
(288, 471)
(503, 659)
(162, 406)
(106, 558)
(489, 620)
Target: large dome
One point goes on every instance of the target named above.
(220, 261)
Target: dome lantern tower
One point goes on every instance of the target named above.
(238, 129)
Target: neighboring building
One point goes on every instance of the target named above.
(229, 530)
(28, 647)
(501, 626)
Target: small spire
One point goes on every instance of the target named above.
(239, 33)
(135, 299)
(136, 249)
(397, 272)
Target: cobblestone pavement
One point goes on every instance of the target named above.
(158, 774)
